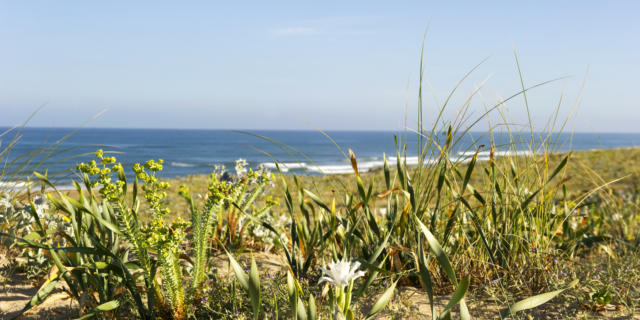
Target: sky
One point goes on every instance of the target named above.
(333, 65)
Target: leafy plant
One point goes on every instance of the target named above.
(94, 255)
(87, 256)
(599, 299)
(249, 282)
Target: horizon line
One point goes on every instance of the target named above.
(411, 131)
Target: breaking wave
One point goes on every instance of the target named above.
(373, 162)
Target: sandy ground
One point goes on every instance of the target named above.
(16, 292)
(409, 303)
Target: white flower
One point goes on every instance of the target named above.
(241, 167)
(341, 273)
(5, 203)
(219, 169)
(263, 170)
(41, 205)
(616, 217)
(283, 221)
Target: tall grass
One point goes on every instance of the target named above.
(505, 218)
(450, 225)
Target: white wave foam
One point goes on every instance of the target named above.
(182, 164)
(284, 166)
(14, 185)
(330, 169)
(410, 161)
(22, 186)
(506, 153)
(325, 168)
(374, 163)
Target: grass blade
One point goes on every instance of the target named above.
(534, 301)
(237, 269)
(383, 300)
(254, 288)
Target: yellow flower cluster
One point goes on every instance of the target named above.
(101, 175)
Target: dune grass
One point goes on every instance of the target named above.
(603, 228)
(518, 231)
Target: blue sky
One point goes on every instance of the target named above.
(296, 65)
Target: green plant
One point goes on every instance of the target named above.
(250, 282)
(299, 309)
(506, 211)
(309, 236)
(87, 256)
(94, 258)
(600, 298)
(341, 276)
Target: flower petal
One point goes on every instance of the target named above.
(325, 279)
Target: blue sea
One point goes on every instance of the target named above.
(187, 152)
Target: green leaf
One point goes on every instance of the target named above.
(479, 229)
(254, 288)
(99, 265)
(372, 276)
(350, 315)
(105, 223)
(302, 313)
(40, 296)
(436, 249)
(476, 194)
(526, 202)
(426, 278)
(387, 175)
(370, 263)
(562, 164)
(382, 301)
(293, 297)
(317, 200)
(400, 169)
(461, 291)
(23, 241)
(467, 175)
(237, 269)
(534, 301)
(108, 306)
(32, 236)
(312, 311)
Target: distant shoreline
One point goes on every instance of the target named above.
(363, 167)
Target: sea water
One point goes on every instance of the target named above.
(186, 152)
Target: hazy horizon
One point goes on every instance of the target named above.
(409, 131)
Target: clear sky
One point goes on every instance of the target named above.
(298, 64)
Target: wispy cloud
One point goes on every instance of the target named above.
(294, 31)
(331, 26)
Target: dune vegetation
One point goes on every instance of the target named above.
(541, 234)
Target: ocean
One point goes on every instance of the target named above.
(187, 152)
